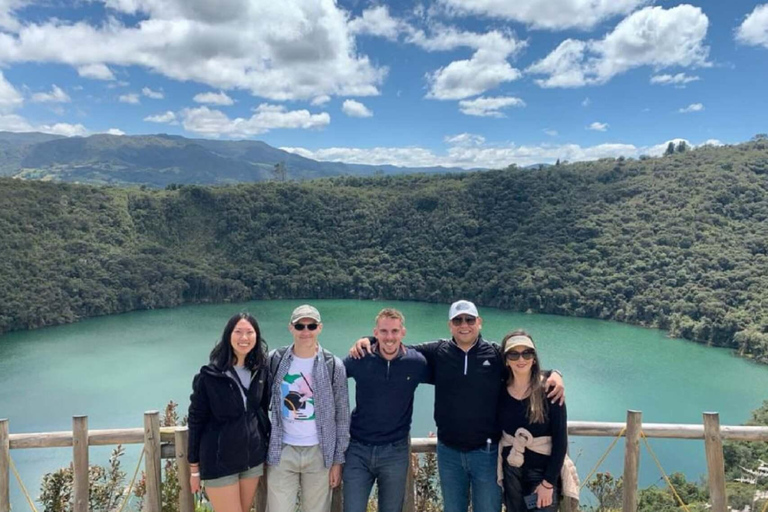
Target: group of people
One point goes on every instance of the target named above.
(501, 419)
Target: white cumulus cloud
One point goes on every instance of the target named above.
(155, 95)
(321, 100)
(693, 107)
(10, 98)
(551, 133)
(464, 78)
(167, 117)
(468, 152)
(486, 69)
(754, 29)
(652, 36)
(489, 107)
(214, 98)
(298, 50)
(215, 123)
(465, 140)
(57, 95)
(377, 21)
(547, 14)
(115, 131)
(96, 72)
(14, 123)
(132, 98)
(355, 109)
(598, 127)
(65, 129)
(679, 79)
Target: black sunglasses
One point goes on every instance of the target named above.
(457, 321)
(527, 354)
(300, 327)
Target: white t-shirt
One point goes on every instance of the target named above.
(298, 410)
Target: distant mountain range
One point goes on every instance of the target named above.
(160, 160)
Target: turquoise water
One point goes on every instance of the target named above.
(115, 368)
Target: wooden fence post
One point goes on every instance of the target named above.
(81, 482)
(713, 445)
(152, 500)
(5, 467)
(181, 440)
(632, 460)
(409, 505)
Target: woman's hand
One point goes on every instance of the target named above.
(544, 492)
(194, 479)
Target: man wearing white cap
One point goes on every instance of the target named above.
(469, 374)
(310, 419)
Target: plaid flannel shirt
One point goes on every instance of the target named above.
(331, 409)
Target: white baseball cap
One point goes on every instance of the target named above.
(462, 307)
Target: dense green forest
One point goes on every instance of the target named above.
(678, 242)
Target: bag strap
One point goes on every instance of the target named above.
(279, 353)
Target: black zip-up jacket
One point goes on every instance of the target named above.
(225, 435)
(467, 387)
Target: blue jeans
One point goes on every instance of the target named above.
(462, 471)
(387, 464)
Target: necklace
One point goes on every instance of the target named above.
(519, 394)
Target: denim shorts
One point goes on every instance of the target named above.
(233, 479)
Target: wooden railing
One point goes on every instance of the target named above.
(171, 442)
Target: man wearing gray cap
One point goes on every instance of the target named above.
(310, 419)
(469, 374)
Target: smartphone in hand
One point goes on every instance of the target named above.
(531, 500)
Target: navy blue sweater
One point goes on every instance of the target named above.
(384, 395)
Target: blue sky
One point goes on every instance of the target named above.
(469, 83)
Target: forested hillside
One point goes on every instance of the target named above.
(678, 242)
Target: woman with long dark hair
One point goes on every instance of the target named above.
(535, 436)
(228, 417)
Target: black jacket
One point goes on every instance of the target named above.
(225, 436)
(467, 387)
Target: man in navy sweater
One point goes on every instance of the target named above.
(385, 381)
(469, 374)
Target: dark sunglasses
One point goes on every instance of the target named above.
(513, 355)
(457, 321)
(300, 327)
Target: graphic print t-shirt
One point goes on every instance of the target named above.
(298, 410)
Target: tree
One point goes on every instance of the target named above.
(682, 147)
(670, 149)
(280, 172)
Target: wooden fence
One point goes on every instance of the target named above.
(171, 442)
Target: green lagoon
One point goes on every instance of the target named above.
(112, 369)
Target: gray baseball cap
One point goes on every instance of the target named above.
(305, 311)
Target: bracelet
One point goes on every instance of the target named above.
(555, 370)
(544, 486)
(194, 474)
